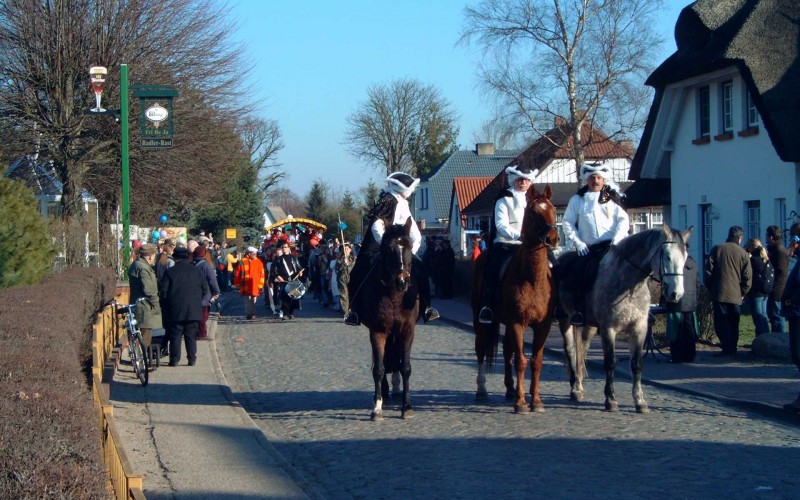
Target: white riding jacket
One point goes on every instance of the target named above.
(589, 221)
(508, 214)
(401, 214)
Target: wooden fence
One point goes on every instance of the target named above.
(108, 332)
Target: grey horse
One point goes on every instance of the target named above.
(619, 302)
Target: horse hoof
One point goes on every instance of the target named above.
(576, 396)
(537, 408)
(642, 408)
(482, 396)
(612, 406)
(407, 413)
(376, 416)
(521, 409)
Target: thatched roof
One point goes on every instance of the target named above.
(760, 38)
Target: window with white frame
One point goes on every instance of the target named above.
(708, 229)
(751, 112)
(683, 217)
(656, 219)
(780, 211)
(753, 209)
(726, 96)
(703, 112)
(638, 221)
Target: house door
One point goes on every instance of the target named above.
(706, 234)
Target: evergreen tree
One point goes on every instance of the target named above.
(242, 208)
(317, 202)
(26, 249)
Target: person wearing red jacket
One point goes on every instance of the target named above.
(250, 280)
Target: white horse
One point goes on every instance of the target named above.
(619, 302)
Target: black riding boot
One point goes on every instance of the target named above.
(427, 312)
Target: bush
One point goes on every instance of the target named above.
(49, 430)
(26, 250)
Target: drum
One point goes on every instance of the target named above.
(295, 289)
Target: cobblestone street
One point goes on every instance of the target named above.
(307, 384)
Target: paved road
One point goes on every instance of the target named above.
(307, 385)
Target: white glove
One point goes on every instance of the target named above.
(581, 247)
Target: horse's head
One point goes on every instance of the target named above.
(396, 256)
(667, 264)
(539, 223)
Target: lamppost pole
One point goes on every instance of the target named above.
(126, 208)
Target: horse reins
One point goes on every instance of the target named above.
(648, 272)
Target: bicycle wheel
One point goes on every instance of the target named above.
(139, 359)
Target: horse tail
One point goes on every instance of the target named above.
(492, 340)
(393, 354)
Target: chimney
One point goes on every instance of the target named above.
(484, 148)
(559, 121)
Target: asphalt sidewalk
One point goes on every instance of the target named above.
(188, 437)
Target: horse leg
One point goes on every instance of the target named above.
(540, 332)
(609, 364)
(571, 353)
(514, 332)
(378, 341)
(396, 391)
(508, 369)
(480, 352)
(637, 365)
(407, 412)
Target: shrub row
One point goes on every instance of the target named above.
(49, 431)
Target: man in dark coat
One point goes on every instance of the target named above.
(779, 258)
(181, 291)
(728, 277)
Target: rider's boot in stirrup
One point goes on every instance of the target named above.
(430, 314)
(485, 316)
(352, 319)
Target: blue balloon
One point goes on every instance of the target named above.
(163, 218)
(156, 234)
(342, 226)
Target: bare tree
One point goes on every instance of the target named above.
(392, 129)
(498, 132)
(262, 141)
(46, 48)
(584, 60)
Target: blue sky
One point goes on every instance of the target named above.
(314, 60)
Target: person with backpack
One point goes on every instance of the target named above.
(763, 281)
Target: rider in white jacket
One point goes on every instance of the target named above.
(593, 221)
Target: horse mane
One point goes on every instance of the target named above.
(636, 246)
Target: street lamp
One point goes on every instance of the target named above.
(98, 79)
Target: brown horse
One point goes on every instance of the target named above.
(388, 306)
(527, 298)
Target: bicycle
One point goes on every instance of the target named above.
(136, 347)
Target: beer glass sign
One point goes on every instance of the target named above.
(98, 79)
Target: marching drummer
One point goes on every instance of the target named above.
(285, 269)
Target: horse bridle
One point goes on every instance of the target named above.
(648, 272)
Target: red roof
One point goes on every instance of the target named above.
(557, 143)
(467, 188)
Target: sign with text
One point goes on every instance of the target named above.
(155, 115)
(230, 234)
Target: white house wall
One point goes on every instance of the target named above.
(563, 171)
(726, 174)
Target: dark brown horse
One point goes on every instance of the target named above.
(527, 298)
(388, 306)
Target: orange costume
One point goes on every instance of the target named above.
(250, 276)
(250, 280)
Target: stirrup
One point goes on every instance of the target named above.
(431, 314)
(352, 319)
(485, 316)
